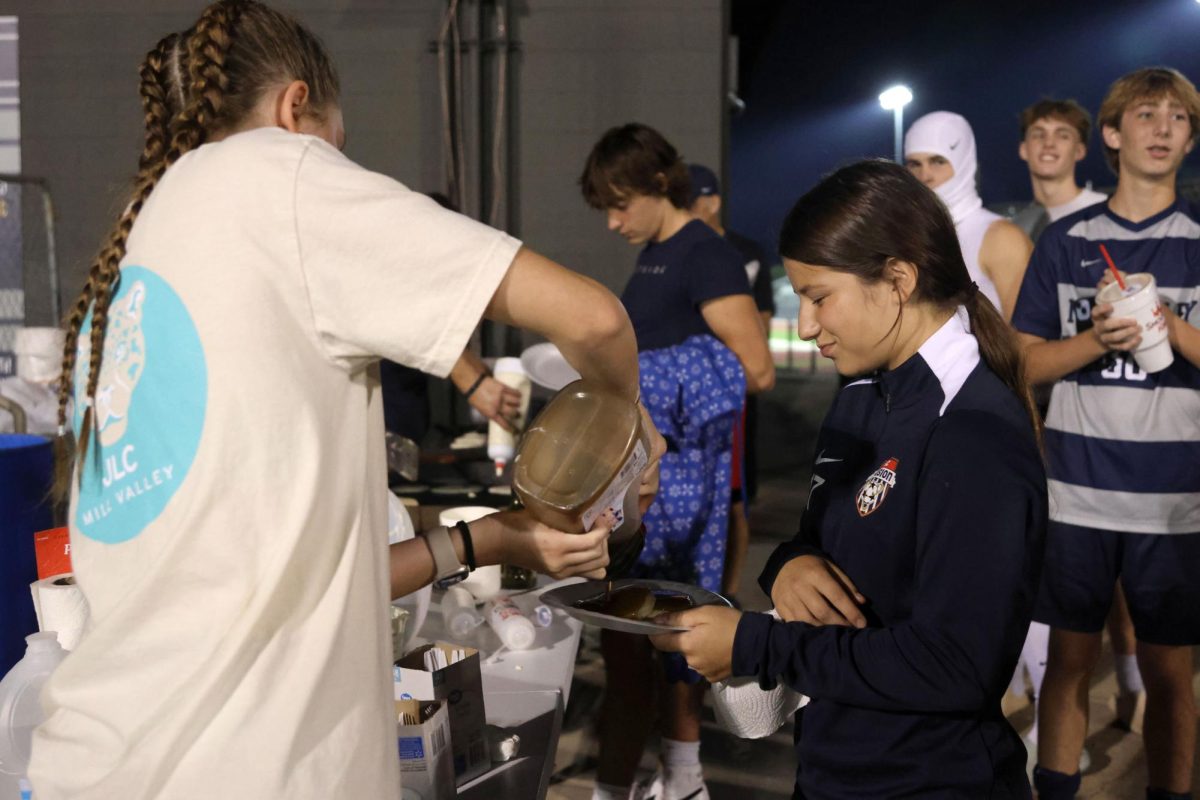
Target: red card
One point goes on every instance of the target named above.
(53, 552)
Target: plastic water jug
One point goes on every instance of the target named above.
(584, 455)
(20, 706)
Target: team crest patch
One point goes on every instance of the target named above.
(874, 491)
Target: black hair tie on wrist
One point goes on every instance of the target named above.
(475, 385)
(464, 530)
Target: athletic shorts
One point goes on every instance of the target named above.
(1160, 574)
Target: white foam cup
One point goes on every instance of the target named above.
(1140, 302)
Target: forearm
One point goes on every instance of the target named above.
(466, 371)
(411, 564)
(1185, 338)
(1048, 361)
(608, 355)
(903, 668)
(585, 320)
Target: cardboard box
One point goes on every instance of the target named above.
(460, 685)
(426, 761)
(53, 548)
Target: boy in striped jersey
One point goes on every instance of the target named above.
(1121, 444)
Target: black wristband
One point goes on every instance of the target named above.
(464, 530)
(485, 374)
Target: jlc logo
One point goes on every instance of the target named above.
(149, 410)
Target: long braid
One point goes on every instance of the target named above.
(207, 46)
(159, 103)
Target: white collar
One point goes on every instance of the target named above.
(952, 352)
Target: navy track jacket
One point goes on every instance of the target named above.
(928, 490)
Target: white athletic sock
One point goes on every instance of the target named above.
(607, 791)
(682, 773)
(1033, 655)
(680, 754)
(1129, 678)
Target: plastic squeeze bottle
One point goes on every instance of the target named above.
(458, 611)
(510, 624)
(20, 709)
(501, 443)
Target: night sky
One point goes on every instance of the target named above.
(811, 74)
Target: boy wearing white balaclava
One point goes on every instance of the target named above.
(995, 250)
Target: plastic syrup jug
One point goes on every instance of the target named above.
(584, 455)
(20, 707)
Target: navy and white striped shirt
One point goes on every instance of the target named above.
(1122, 445)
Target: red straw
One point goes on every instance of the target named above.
(1112, 266)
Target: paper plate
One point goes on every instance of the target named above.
(565, 598)
(547, 367)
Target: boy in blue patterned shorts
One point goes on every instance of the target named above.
(1121, 443)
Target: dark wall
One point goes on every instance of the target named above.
(581, 66)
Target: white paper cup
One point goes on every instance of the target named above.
(1144, 307)
(483, 583)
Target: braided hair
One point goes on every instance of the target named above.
(195, 86)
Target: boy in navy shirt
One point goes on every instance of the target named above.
(701, 347)
(1121, 444)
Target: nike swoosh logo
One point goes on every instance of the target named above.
(821, 459)
(1085, 263)
(954, 146)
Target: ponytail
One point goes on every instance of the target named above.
(1001, 351)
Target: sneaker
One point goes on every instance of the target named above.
(656, 787)
(648, 789)
(685, 784)
(1131, 712)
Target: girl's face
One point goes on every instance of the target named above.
(852, 322)
(638, 218)
(931, 170)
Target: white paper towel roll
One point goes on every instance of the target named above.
(61, 608)
(745, 710)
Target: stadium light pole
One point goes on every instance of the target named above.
(894, 100)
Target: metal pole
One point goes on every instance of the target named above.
(898, 116)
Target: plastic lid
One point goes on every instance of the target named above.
(509, 364)
(20, 441)
(42, 642)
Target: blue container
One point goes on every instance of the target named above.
(26, 473)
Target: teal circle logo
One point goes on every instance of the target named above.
(149, 408)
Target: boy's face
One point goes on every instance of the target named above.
(1051, 148)
(1154, 137)
(637, 217)
(930, 169)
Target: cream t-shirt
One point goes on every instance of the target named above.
(230, 530)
